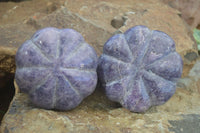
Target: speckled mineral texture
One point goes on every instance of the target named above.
(95, 20)
(56, 68)
(92, 18)
(97, 114)
(139, 68)
(153, 14)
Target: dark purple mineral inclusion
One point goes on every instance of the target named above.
(57, 68)
(139, 68)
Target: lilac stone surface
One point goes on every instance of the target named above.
(139, 68)
(56, 68)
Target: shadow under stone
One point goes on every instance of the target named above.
(7, 92)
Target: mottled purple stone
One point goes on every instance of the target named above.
(139, 68)
(57, 68)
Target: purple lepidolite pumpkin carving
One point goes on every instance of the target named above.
(139, 68)
(57, 68)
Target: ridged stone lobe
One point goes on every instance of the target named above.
(139, 68)
(56, 68)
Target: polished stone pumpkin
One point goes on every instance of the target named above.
(140, 68)
(56, 68)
